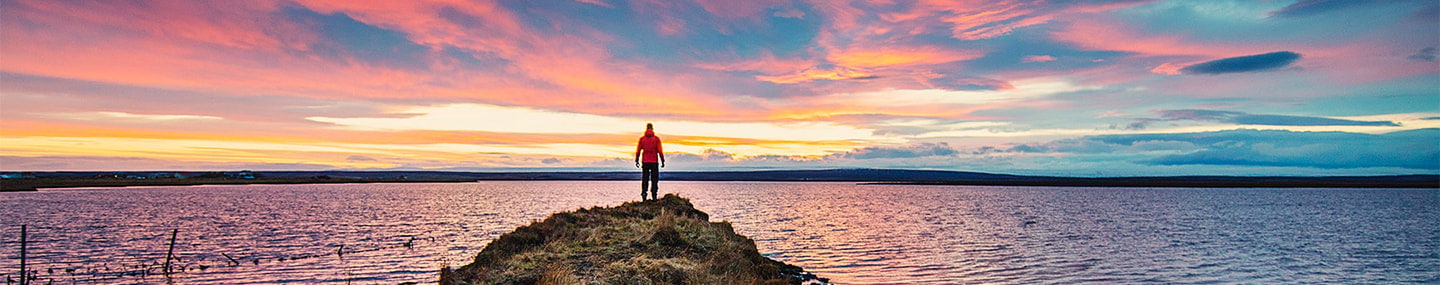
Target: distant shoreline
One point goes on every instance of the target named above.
(30, 185)
(40, 180)
(10, 186)
(1181, 184)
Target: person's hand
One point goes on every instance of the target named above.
(637, 164)
(662, 164)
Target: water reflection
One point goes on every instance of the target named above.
(887, 234)
(853, 234)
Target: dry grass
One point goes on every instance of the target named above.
(558, 274)
(666, 241)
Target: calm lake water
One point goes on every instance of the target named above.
(853, 234)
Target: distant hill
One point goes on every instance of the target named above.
(880, 176)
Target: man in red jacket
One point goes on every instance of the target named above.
(650, 147)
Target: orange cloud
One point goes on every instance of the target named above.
(242, 132)
(335, 148)
(27, 128)
(1168, 68)
(906, 63)
(889, 56)
(838, 73)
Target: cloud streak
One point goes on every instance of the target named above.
(1239, 64)
(1406, 149)
(1242, 118)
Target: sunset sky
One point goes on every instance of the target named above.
(1083, 88)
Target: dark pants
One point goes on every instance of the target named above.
(649, 179)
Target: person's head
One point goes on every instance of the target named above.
(649, 126)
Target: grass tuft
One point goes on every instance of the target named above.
(664, 241)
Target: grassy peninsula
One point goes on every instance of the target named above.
(665, 241)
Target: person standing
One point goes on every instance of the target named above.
(649, 157)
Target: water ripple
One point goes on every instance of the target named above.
(853, 234)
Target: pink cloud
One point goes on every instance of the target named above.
(247, 25)
(992, 21)
(974, 20)
(1366, 59)
(239, 49)
(246, 49)
(613, 86)
(1102, 35)
(667, 22)
(881, 41)
(1037, 58)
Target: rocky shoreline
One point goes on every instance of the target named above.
(665, 241)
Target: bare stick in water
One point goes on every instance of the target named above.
(23, 274)
(170, 253)
(232, 259)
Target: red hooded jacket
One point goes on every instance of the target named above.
(649, 147)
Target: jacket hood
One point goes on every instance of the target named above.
(649, 132)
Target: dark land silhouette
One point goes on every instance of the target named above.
(39, 180)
